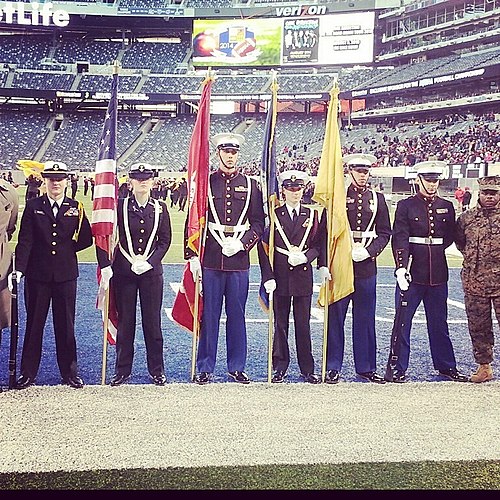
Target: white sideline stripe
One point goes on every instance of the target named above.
(317, 313)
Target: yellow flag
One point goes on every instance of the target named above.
(330, 193)
(31, 167)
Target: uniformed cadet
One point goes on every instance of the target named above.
(235, 224)
(370, 229)
(144, 236)
(478, 238)
(424, 226)
(296, 246)
(53, 229)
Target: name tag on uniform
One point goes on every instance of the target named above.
(39, 212)
(441, 210)
(241, 189)
(71, 212)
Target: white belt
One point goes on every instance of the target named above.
(364, 234)
(229, 229)
(425, 241)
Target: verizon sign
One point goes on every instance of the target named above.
(301, 10)
(32, 14)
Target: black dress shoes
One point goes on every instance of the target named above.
(240, 377)
(119, 380)
(23, 382)
(398, 377)
(159, 379)
(278, 377)
(75, 382)
(454, 374)
(372, 377)
(332, 377)
(203, 378)
(311, 378)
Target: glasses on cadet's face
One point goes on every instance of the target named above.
(230, 151)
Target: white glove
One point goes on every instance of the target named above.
(141, 266)
(231, 246)
(359, 254)
(297, 258)
(106, 275)
(17, 275)
(195, 266)
(270, 286)
(324, 274)
(403, 278)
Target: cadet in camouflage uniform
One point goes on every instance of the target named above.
(478, 238)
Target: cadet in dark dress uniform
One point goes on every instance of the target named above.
(424, 226)
(370, 228)
(235, 224)
(53, 229)
(144, 235)
(296, 246)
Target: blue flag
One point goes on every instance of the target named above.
(269, 181)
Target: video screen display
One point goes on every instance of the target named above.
(333, 39)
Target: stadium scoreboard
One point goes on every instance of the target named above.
(333, 39)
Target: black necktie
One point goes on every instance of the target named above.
(294, 214)
(55, 209)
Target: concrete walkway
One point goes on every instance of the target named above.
(49, 428)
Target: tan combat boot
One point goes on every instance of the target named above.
(483, 374)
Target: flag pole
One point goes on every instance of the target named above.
(271, 206)
(196, 324)
(329, 216)
(105, 337)
(197, 279)
(116, 69)
(270, 330)
(330, 193)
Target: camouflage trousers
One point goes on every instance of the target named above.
(480, 320)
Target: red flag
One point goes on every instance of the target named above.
(198, 171)
(105, 201)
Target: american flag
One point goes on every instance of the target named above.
(105, 201)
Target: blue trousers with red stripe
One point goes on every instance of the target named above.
(230, 287)
(363, 327)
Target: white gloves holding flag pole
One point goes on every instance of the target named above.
(403, 277)
(195, 266)
(106, 275)
(17, 275)
(270, 286)
(324, 274)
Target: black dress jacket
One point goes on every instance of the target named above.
(291, 280)
(47, 245)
